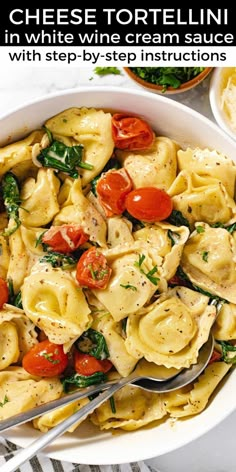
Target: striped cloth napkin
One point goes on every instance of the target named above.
(42, 463)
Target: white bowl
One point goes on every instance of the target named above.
(215, 97)
(87, 445)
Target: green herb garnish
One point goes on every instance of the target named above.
(176, 218)
(205, 255)
(230, 228)
(82, 381)
(11, 198)
(49, 357)
(93, 343)
(150, 275)
(63, 158)
(112, 404)
(167, 76)
(226, 348)
(129, 287)
(56, 259)
(5, 400)
(107, 70)
(200, 229)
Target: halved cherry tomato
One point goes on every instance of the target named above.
(93, 270)
(4, 293)
(112, 189)
(65, 238)
(149, 204)
(216, 356)
(45, 359)
(131, 132)
(88, 365)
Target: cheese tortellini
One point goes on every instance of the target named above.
(112, 293)
(172, 330)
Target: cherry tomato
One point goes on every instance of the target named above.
(176, 280)
(45, 359)
(131, 132)
(65, 238)
(4, 293)
(92, 269)
(149, 204)
(112, 189)
(216, 356)
(89, 365)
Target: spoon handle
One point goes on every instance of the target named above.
(45, 439)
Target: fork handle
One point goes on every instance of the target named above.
(43, 441)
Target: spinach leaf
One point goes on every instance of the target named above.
(92, 342)
(176, 218)
(11, 198)
(107, 70)
(174, 237)
(181, 274)
(226, 348)
(82, 381)
(63, 158)
(56, 259)
(15, 300)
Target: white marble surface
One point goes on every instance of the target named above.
(215, 451)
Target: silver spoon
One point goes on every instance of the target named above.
(185, 377)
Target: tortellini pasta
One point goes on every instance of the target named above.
(139, 296)
(192, 399)
(112, 332)
(172, 330)
(55, 304)
(17, 335)
(207, 163)
(154, 167)
(209, 260)
(39, 198)
(134, 408)
(76, 208)
(20, 391)
(17, 157)
(89, 127)
(201, 198)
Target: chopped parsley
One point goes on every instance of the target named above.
(205, 255)
(150, 275)
(200, 229)
(107, 70)
(5, 400)
(129, 287)
(167, 76)
(112, 404)
(49, 357)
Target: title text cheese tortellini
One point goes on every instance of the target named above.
(85, 274)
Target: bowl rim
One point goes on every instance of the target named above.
(60, 452)
(214, 98)
(170, 90)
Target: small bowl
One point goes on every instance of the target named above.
(218, 83)
(170, 90)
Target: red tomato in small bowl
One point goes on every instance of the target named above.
(45, 359)
(131, 133)
(149, 204)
